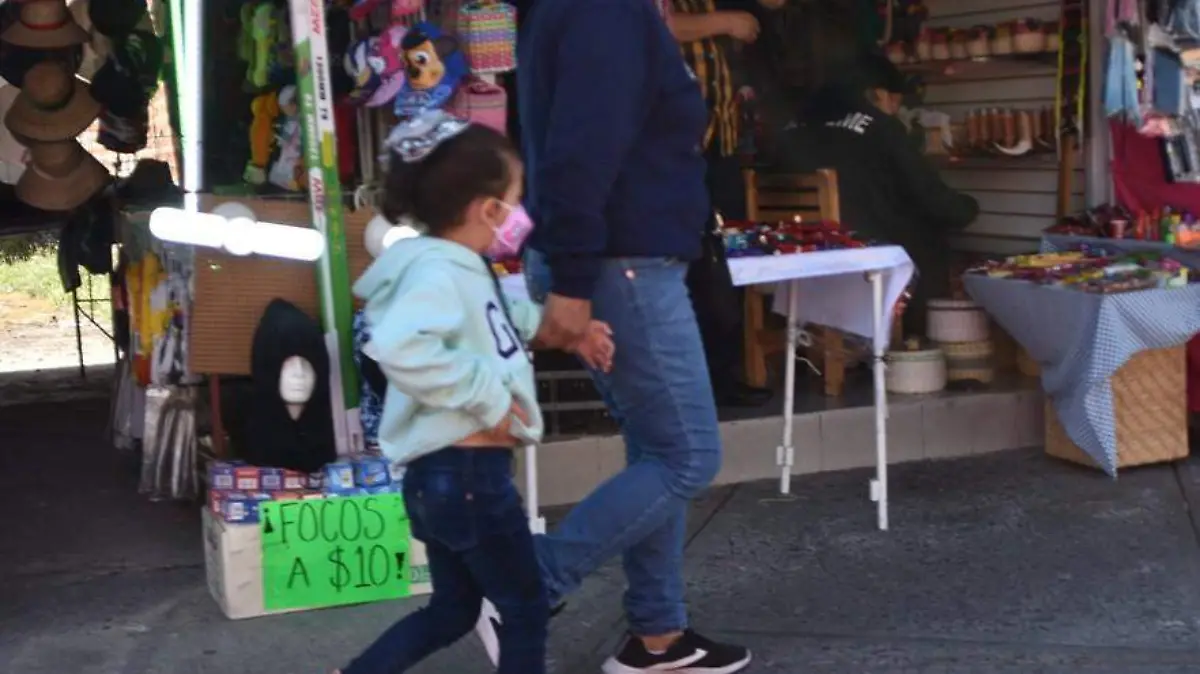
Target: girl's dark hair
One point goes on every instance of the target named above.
(435, 191)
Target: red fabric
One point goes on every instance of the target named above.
(345, 116)
(1140, 184)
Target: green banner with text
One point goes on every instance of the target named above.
(334, 551)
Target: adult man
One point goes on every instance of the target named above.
(888, 189)
(709, 33)
(612, 123)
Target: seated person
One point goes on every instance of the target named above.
(888, 190)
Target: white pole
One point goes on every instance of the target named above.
(785, 455)
(879, 486)
(536, 522)
(191, 102)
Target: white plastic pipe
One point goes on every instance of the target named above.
(191, 102)
(537, 523)
(879, 486)
(785, 455)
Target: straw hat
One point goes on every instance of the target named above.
(60, 176)
(54, 104)
(45, 24)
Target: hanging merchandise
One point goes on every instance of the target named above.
(45, 24)
(264, 110)
(325, 199)
(124, 85)
(53, 105)
(158, 283)
(399, 8)
(374, 385)
(288, 170)
(488, 31)
(257, 47)
(60, 176)
(389, 66)
(483, 103)
(361, 64)
(115, 19)
(169, 459)
(435, 66)
(1121, 96)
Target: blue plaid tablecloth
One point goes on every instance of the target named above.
(1081, 339)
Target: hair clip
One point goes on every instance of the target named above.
(417, 138)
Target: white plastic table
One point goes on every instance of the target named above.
(853, 290)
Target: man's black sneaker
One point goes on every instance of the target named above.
(690, 654)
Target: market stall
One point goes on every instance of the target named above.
(1107, 331)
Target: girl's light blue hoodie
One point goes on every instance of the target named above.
(453, 361)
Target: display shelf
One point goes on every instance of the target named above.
(989, 68)
(1032, 161)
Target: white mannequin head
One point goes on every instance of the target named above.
(297, 379)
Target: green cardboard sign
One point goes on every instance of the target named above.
(334, 551)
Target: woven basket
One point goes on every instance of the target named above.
(230, 292)
(488, 31)
(969, 361)
(1150, 406)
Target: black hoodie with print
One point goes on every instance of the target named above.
(273, 438)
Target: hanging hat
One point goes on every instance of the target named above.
(60, 176)
(129, 77)
(45, 24)
(54, 104)
(116, 18)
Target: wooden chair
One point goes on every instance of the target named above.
(771, 198)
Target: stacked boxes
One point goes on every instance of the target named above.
(236, 489)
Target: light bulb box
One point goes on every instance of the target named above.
(233, 560)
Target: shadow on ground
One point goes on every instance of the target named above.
(1008, 563)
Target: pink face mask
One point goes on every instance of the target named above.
(511, 234)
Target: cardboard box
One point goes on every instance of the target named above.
(233, 566)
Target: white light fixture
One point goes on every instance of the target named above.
(238, 235)
(381, 234)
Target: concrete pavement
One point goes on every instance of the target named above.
(997, 564)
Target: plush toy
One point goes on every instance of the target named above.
(265, 109)
(434, 66)
(263, 34)
(287, 170)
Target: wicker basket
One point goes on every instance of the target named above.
(1150, 404)
(969, 361)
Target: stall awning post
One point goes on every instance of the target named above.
(325, 199)
(190, 50)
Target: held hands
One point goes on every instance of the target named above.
(567, 325)
(596, 349)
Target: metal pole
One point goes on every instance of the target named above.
(879, 486)
(785, 455)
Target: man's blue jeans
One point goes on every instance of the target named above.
(659, 393)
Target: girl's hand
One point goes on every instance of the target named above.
(596, 348)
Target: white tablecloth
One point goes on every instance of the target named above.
(830, 285)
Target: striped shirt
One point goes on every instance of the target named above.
(710, 63)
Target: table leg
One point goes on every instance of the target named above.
(537, 523)
(785, 454)
(879, 485)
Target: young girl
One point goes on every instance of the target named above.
(461, 393)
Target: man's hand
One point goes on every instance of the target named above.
(564, 322)
(741, 26)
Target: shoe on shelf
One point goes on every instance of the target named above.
(690, 654)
